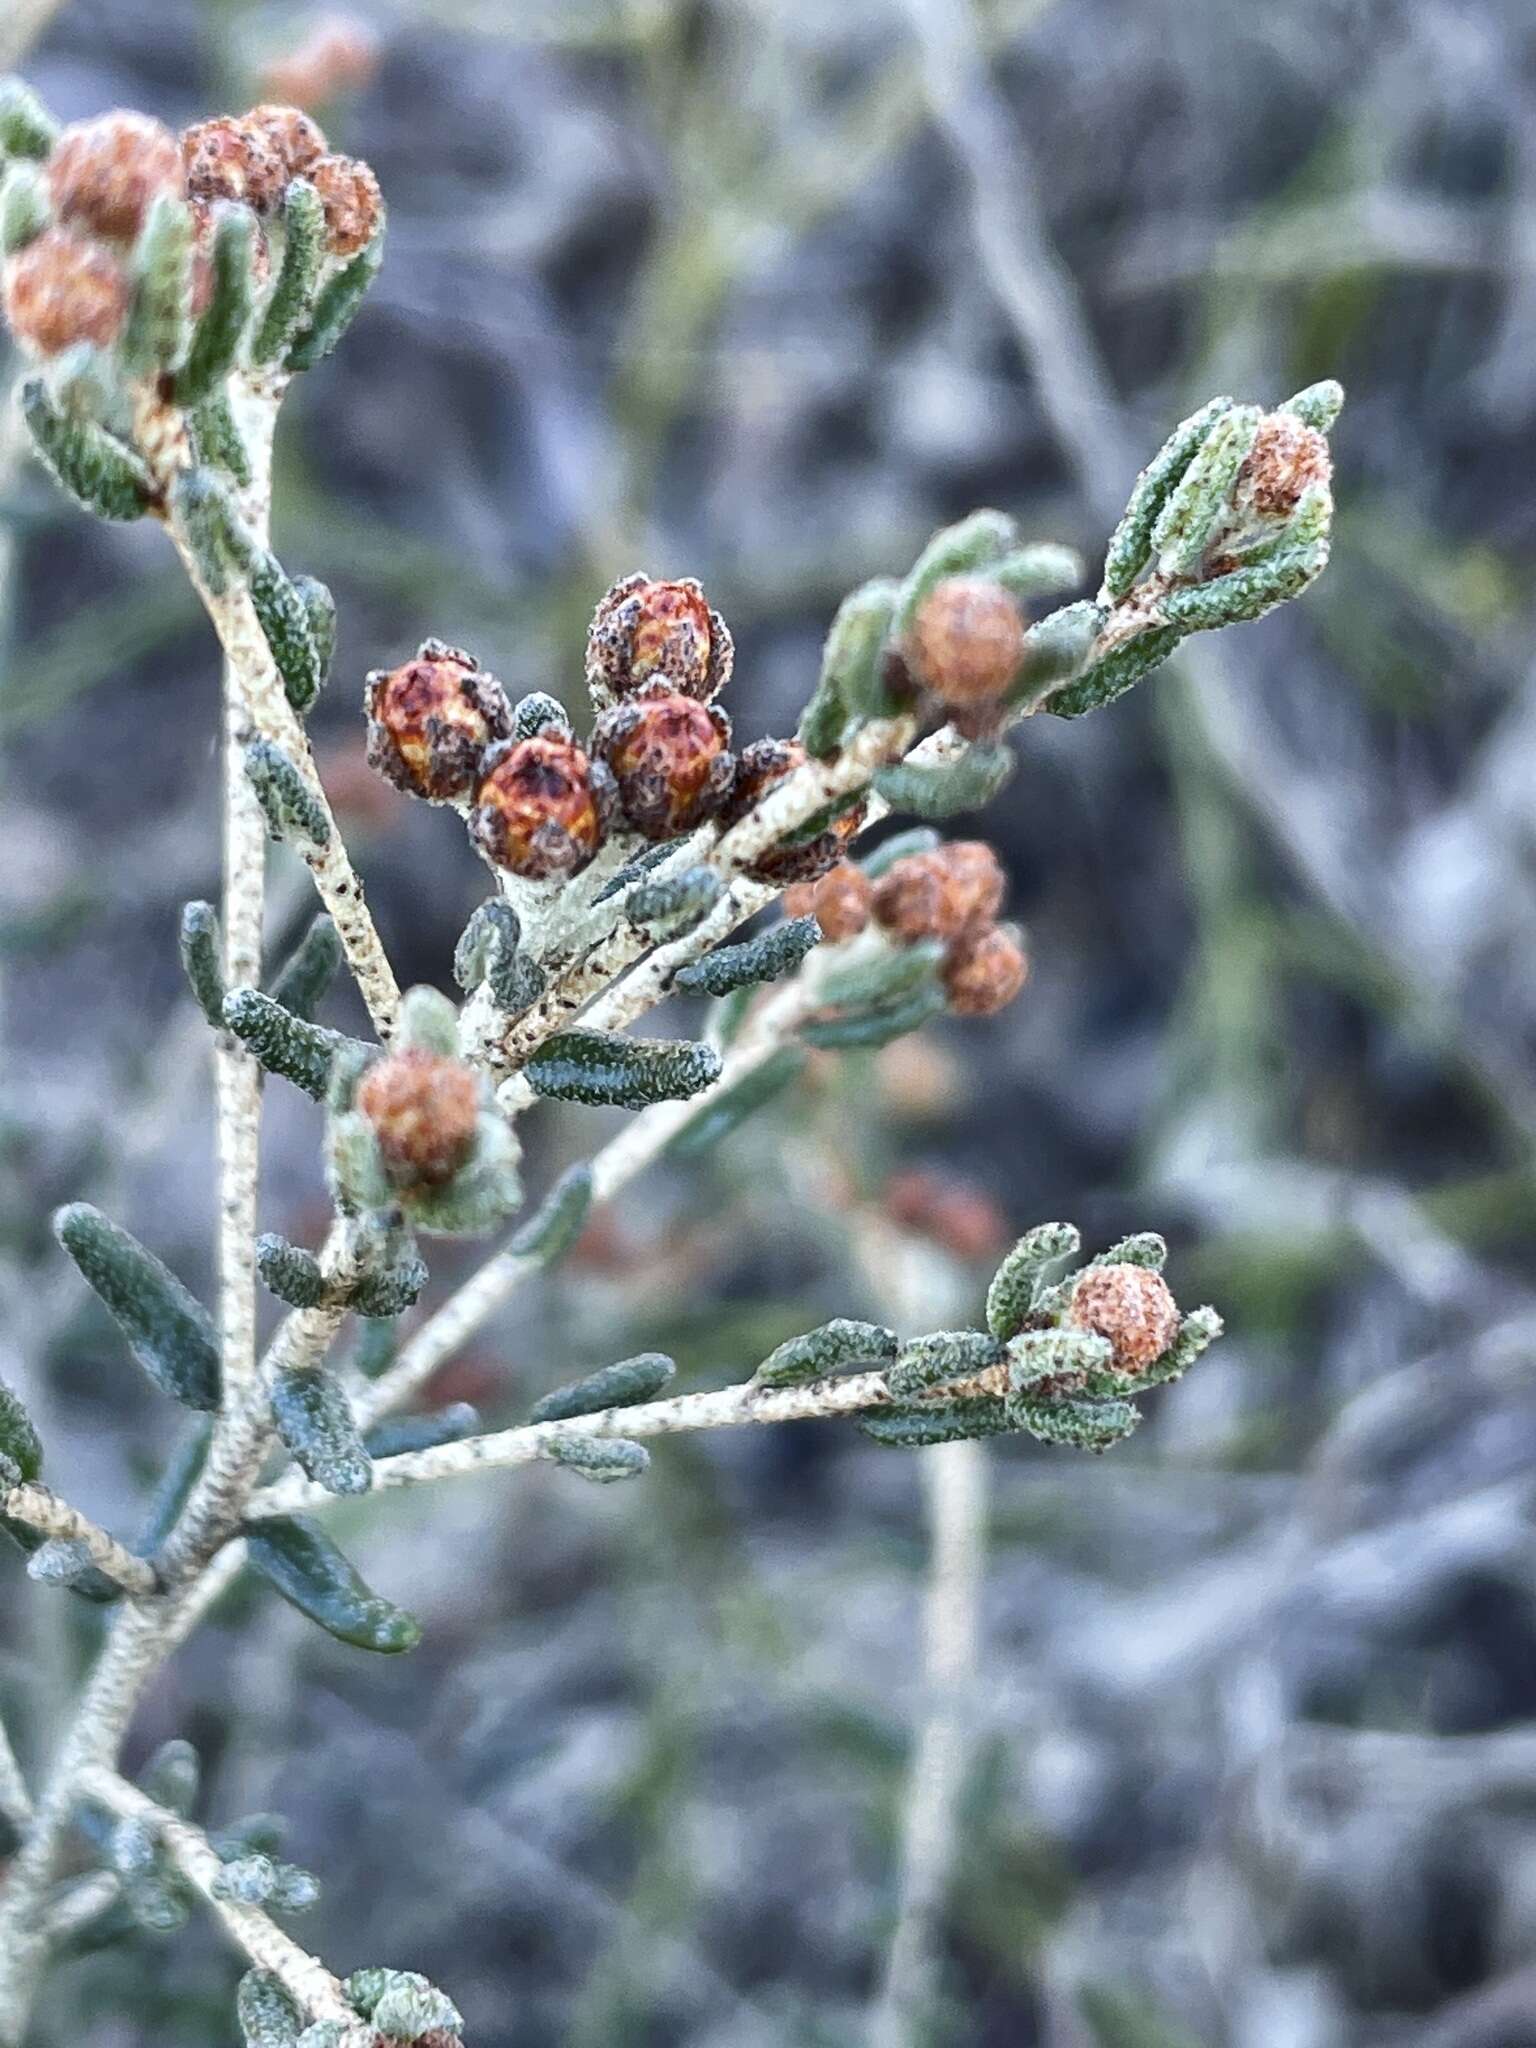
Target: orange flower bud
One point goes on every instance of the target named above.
(62, 289)
(760, 767)
(1129, 1305)
(541, 808)
(340, 53)
(431, 720)
(940, 894)
(228, 158)
(423, 1107)
(353, 204)
(295, 137)
(983, 971)
(643, 631)
(839, 901)
(1286, 457)
(670, 760)
(104, 174)
(967, 641)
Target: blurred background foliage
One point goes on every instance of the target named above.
(762, 290)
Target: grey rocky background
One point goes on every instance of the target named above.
(700, 288)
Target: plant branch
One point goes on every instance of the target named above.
(301, 1975)
(41, 1509)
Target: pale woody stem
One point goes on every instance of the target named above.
(302, 1975)
(725, 1408)
(43, 1510)
(15, 1800)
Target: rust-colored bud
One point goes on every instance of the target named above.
(104, 174)
(423, 1107)
(760, 767)
(967, 641)
(541, 807)
(644, 632)
(228, 158)
(1132, 1307)
(353, 203)
(62, 289)
(1286, 457)
(954, 1213)
(839, 901)
(297, 139)
(983, 971)
(940, 894)
(670, 760)
(431, 720)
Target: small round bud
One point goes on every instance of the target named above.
(1132, 1307)
(226, 158)
(1287, 457)
(61, 289)
(644, 631)
(839, 902)
(541, 807)
(353, 203)
(983, 971)
(940, 894)
(760, 767)
(967, 641)
(297, 139)
(670, 760)
(431, 720)
(104, 174)
(423, 1107)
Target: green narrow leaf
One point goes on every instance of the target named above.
(290, 806)
(489, 951)
(97, 470)
(729, 1109)
(943, 1355)
(1319, 405)
(314, 1419)
(1201, 500)
(976, 542)
(169, 1332)
(938, 1422)
(1011, 1295)
(1105, 680)
(290, 1272)
(858, 1029)
(284, 621)
(306, 975)
(211, 527)
(23, 207)
(320, 614)
(219, 440)
(558, 1222)
(900, 846)
(405, 1433)
(267, 2016)
(201, 948)
(600, 1459)
(624, 1385)
(337, 306)
(1085, 1425)
(301, 1052)
(182, 1471)
(1130, 545)
(767, 957)
(883, 975)
(941, 789)
(597, 1067)
(296, 1557)
(1055, 650)
(1041, 569)
(26, 126)
(392, 1289)
(298, 275)
(832, 1347)
(539, 712)
(851, 687)
(221, 329)
(160, 324)
(172, 1777)
(676, 903)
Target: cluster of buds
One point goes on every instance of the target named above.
(937, 902)
(1063, 1359)
(417, 1130)
(541, 804)
(114, 198)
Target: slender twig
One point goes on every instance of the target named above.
(301, 1975)
(41, 1509)
(15, 1799)
(723, 1408)
(954, 1481)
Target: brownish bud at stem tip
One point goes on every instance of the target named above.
(1286, 457)
(941, 894)
(297, 139)
(62, 289)
(354, 206)
(761, 766)
(1129, 1305)
(643, 632)
(227, 158)
(431, 720)
(967, 641)
(670, 760)
(839, 902)
(541, 807)
(983, 971)
(104, 174)
(423, 1107)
